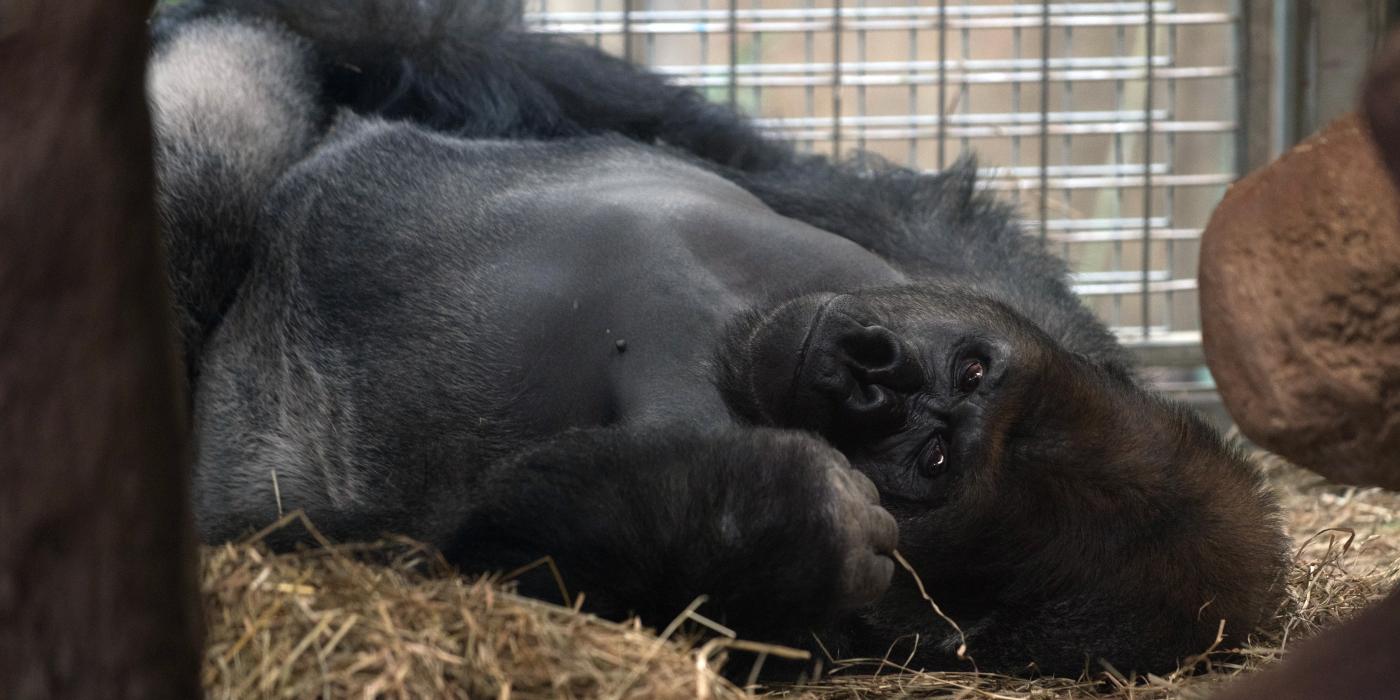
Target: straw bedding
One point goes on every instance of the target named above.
(390, 620)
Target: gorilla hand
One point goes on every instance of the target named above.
(868, 534)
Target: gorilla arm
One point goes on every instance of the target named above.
(772, 526)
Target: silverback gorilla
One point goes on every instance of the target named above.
(498, 291)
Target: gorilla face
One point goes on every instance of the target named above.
(920, 386)
(1029, 482)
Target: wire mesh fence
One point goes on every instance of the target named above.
(1113, 125)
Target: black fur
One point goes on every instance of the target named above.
(521, 299)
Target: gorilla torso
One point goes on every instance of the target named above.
(504, 291)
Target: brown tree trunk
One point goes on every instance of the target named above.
(1352, 661)
(97, 591)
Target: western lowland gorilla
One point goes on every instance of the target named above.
(441, 276)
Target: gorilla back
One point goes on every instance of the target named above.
(510, 296)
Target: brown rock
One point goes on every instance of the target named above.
(1300, 306)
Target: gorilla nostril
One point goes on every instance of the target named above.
(866, 398)
(874, 347)
(870, 405)
(879, 356)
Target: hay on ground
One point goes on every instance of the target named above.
(390, 620)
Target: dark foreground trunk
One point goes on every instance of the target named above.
(97, 595)
(1353, 661)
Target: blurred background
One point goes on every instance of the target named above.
(1115, 127)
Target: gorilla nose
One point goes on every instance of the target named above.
(859, 369)
(824, 363)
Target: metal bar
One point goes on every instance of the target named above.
(837, 78)
(1188, 180)
(997, 131)
(626, 32)
(1119, 159)
(1086, 63)
(732, 27)
(1070, 9)
(613, 26)
(757, 44)
(861, 37)
(942, 83)
(1147, 174)
(1240, 37)
(1168, 190)
(1161, 337)
(1285, 76)
(1133, 277)
(1104, 224)
(1062, 9)
(1136, 287)
(1044, 204)
(809, 92)
(704, 39)
(751, 77)
(1165, 348)
(1007, 119)
(1067, 140)
(597, 38)
(1017, 39)
(1023, 14)
(1185, 234)
(649, 40)
(964, 86)
(1092, 170)
(913, 158)
(1341, 38)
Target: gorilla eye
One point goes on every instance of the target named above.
(971, 376)
(934, 455)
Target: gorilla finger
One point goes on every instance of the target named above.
(873, 577)
(884, 531)
(883, 572)
(866, 486)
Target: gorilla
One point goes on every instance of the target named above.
(440, 276)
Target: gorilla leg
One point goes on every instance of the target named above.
(234, 105)
(471, 68)
(773, 526)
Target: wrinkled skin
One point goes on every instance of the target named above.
(530, 302)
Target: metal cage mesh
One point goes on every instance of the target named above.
(1113, 125)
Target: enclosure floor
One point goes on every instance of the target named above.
(388, 620)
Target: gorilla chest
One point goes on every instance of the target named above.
(619, 293)
(578, 294)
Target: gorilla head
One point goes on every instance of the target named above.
(1032, 485)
